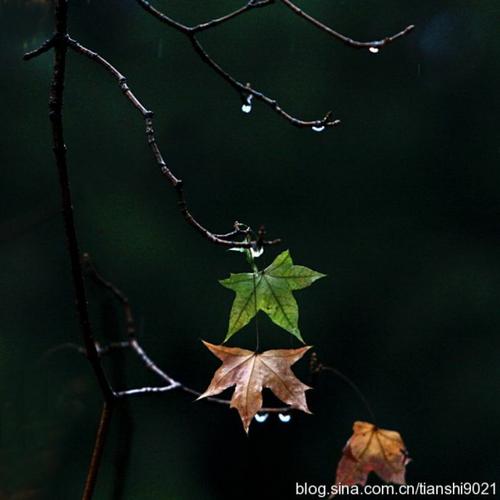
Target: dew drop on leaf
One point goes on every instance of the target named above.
(319, 128)
(284, 417)
(261, 417)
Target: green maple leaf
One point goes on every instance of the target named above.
(270, 291)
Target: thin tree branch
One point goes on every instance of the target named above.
(123, 421)
(251, 4)
(375, 44)
(100, 441)
(316, 367)
(112, 347)
(246, 90)
(55, 114)
(142, 391)
(46, 46)
(174, 181)
(239, 228)
(151, 365)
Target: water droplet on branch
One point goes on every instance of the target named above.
(318, 128)
(256, 251)
(247, 105)
(374, 50)
(284, 417)
(261, 417)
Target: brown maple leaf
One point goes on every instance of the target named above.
(372, 449)
(251, 372)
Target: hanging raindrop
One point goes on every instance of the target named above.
(247, 105)
(256, 251)
(284, 417)
(374, 50)
(318, 128)
(261, 417)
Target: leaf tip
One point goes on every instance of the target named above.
(229, 334)
(297, 334)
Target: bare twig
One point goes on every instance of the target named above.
(251, 4)
(244, 89)
(112, 347)
(317, 367)
(95, 461)
(63, 39)
(151, 138)
(46, 46)
(375, 44)
(123, 420)
(239, 228)
(142, 391)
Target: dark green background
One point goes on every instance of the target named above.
(400, 206)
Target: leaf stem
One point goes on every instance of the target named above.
(318, 367)
(257, 346)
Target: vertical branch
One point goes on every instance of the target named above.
(55, 113)
(56, 101)
(95, 461)
(123, 423)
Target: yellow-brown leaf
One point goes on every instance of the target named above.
(372, 449)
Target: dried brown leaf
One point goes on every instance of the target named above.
(251, 372)
(372, 449)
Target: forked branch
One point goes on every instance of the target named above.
(251, 4)
(174, 181)
(56, 99)
(246, 91)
